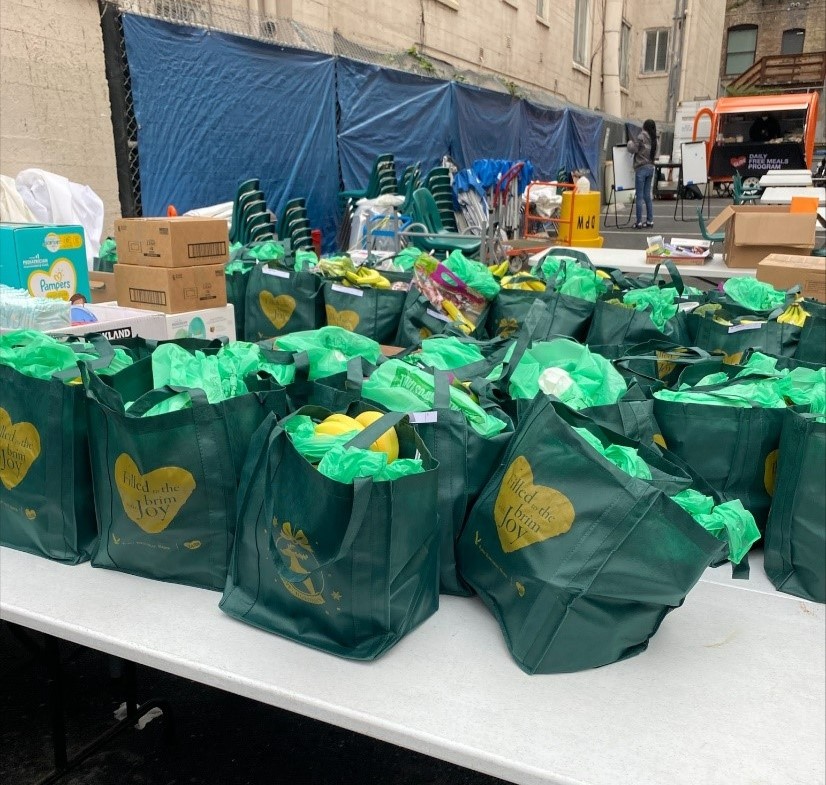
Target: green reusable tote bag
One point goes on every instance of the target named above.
(46, 505)
(238, 276)
(366, 310)
(733, 449)
(281, 300)
(795, 543)
(579, 561)
(420, 319)
(346, 568)
(732, 341)
(811, 347)
(165, 485)
(467, 459)
(565, 315)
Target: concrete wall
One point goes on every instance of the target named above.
(55, 101)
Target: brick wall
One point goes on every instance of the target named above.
(55, 101)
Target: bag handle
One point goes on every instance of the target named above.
(143, 404)
(104, 349)
(363, 439)
(676, 278)
(362, 492)
(441, 389)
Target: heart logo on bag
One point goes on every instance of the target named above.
(152, 500)
(278, 309)
(347, 319)
(770, 472)
(58, 282)
(525, 513)
(19, 449)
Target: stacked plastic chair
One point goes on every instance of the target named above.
(294, 225)
(440, 187)
(429, 232)
(382, 181)
(251, 221)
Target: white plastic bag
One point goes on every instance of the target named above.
(54, 199)
(12, 207)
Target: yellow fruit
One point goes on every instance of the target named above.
(337, 424)
(388, 442)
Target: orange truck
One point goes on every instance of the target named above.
(757, 133)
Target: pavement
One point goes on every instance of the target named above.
(221, 738)
(664, 222)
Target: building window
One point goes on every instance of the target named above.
(655, 56)
(624, 53)
(581, 32)
(540, 9)
(792, 43)
(742, 41)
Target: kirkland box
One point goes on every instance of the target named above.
(46, 260)
(171, 290)
(783, 271)
(172, 242)
(754, 231)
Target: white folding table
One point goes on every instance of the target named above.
(633, 261)
(786, 177)
(731, 690)
(783, 195)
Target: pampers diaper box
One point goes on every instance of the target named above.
(46, 261)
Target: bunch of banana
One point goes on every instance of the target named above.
(338, 424)
(794, 314)
(335, 266)
(462, 322)
(367, 276)
(498, 270)
(523, 281)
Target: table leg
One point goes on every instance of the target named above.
(55, 683)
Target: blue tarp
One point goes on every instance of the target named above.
(544, 139)
(216, 109)
(388, 111)
(489, 124)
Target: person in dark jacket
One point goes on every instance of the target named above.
(644, 148)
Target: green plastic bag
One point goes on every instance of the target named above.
(400, 387)
(406, 258)
(348, 568)
(330, 349)
(659, 302)
(569, 277)
(475, 274)
(40, 356)
(753, 294)
(313, 446)
(795, 533)
(626, 458)
(344, 464)
(578, 561)
(305, 260)
(221, 375)
(447, 352)
(107, 256)
(581, 379)
(729, 521)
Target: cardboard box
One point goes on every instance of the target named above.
(682, 251)
(755, 231)
(102, 286)
(171, 290)
(116, 323)
(783, 271)
(172, 242)
(45, 260)
(206, 323)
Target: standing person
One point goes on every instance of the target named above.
(644, 148)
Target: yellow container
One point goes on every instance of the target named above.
(586, 212)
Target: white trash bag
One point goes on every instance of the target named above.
(55, 200)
